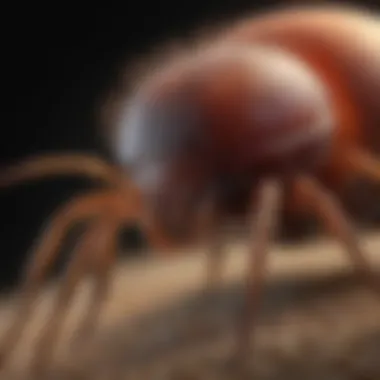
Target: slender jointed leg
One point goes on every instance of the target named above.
(41, 260)
(206, 230)
(365, 164)
(57, 165)
(270, 194)
(103, 256)
(209, 229)
(328, 209)
(77, 268)
(124, 206)
(95, 253)
(215, 256)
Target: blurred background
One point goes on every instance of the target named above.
(60, 60)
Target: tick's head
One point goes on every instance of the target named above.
(215, 116)
(159, 141)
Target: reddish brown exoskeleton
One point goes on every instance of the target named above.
(283, 101)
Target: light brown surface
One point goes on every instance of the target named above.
(316, 321)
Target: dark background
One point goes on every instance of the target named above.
(59, 62)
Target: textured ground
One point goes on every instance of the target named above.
(316, 322)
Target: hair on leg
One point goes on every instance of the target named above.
(264, 225)
(327, 207)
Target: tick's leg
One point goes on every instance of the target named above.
(95, 252)
(103, 257)
(215, 256)
(209, 230)
(269, 198)
(41, 261)
(327, 207)
(125, 206)
(76, 270)
(365, 164)
(39, 167)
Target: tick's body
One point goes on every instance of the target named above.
(342, 48)
(285, 100)
(314, 99)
